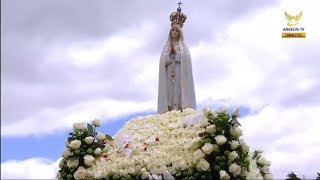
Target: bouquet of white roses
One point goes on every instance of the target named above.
(84, 145)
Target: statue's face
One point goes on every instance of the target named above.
(175, 32)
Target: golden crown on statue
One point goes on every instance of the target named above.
(178, 18)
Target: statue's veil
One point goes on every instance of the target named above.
(187, 87)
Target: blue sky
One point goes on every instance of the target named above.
(71, 61)
(50, 146)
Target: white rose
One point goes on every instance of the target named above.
(67, 153)
(101, 136)
(211, 129)
(196, 143)
(220, 139)
(203, 165)
(244, 146)
(164, 169)
(123, 172)
(206, 111)
(81, 173)
(73, 163)
(183, 165)
(224, 175)
(222, 110)
(204, 122)
(198, 154)
(75, 144)
(97, 151)
(267, 163)
(235, 169)
(265, 169)
(98, 175)
(138, 167)
(234, 144)
(244, 171)
(236, 112)
(89, 139)
(232, 156)
(79, 126)
(62, 162)
(207, 148)
(145, 175)
(172, 170)
(235, 132)
(66, 143)
(88, 160)
(131, 170)
(268, 176)
(263, 161)
(106, 148)
(96, 122)
(143, 170)
(58, 176)
(188, 111)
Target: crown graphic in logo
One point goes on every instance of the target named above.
(178, 18)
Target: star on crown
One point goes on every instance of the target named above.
(178, 18)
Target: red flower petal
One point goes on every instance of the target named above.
(201, 135)
(104, 156)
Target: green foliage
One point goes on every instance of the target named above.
(292, 176)
(219, 159)
(90, 129)
(109, 137)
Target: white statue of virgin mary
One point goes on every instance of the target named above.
(176, 88)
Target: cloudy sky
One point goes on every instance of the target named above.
(70, 61)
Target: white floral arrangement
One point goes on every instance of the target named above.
(84, 146)
(184, 144)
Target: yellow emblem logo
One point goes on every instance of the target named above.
(293, 20)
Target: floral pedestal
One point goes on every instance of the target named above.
(176, 145)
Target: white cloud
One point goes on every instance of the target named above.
(57, 119)
(248, 64)
(288, 136)
(123, 44)
(34, 168)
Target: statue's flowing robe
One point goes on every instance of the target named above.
(180, 93)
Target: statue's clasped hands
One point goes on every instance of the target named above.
(172, 50)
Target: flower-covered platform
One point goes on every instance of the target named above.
(190, 144)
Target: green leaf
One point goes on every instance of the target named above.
(109, 137)
(90, 128)
(185, 173)
(115, 177)
(89, 151)
(69, 177)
